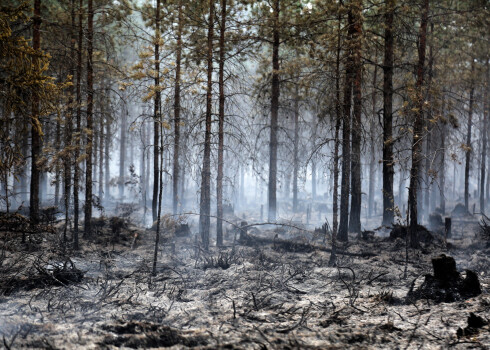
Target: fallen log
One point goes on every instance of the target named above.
(296, 247)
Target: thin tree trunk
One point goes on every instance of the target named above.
(338, 121)
(442, 169)
(205, 203)
(388, 171)
(429, 141)
(156, 113)
(484, 142)
(468, 143)
(372, 160)
(57, 179)
(107, 157)
(90, 107)
(175, 177)
(221, 123)
(122, 151)
(272, 188)
(159, 209)
(295, 151)
(417, 129)
(35, 123)
(346, 132)
(355, 210)
(101, 150)
(76, 178)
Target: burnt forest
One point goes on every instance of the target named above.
(244, 174)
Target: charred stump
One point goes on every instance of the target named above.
(447, 284)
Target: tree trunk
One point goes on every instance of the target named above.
(57, 179)
(468, 143)
(346, 132)
(156, 113)
(484, 142)
(101, 150)
(442, 169)
(295, 151)
(35, 123)
(76, 177)
(417, 129)
(175, 177)
(388, 171)
(107, 157)
(372, 159)
(274, 113)
(122, 151)
(205, 203)
(221, 122)
(355, 210)
(338, 121)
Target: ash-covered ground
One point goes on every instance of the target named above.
(264, 295)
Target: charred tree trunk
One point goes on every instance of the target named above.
(57, 178)
(355, 209)
(484, 142)
(429, 140)
(36, 131)
(442, 192)
(101, 150)
(90, 107)
(388, 171)
(175, 177)
(346, 133)
(295, 152)
(417, 129)
(205, 203)
(274, 113)
(221, 123)
(107, 172)
(156, 113)
(76, 176)
(372, 160)
(468, 142)
(122, 150)
(338, 121)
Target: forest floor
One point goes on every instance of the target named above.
(237, 297)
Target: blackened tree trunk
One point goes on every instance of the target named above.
(122, 150)
(101, 149)
(205, 203)
(274, 113)
(484, 142)
(295, 152)
(442, 192)
(355, 209)
(76, 176)
(346, 133)
(107, 157)
(468, 142)
(388, 212)
(372, 159)
(417, 129)
(428, 126)
(90, 110)
(338, 121)
(221, 123)
(156, 113)
(175, 175)
(35, 123)
(57, 179)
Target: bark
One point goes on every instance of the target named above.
(484, 142)
(175, 177)
(295, 152)
(101, 150)
(122, 150)
(429, 141)
(372, 160)
(35, 123)
(221, 122)
(346, 132)
(57, 180)
(338, 110)
(159, 209)
(443, 163)
(355, 210)
(107, 171)
(90, 107)
(205, 202)
(76, 176)
(388, 171)
(468, 142)
(156, 113)
(272, 189)
(417, 129)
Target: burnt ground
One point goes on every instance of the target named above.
(254, 297)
